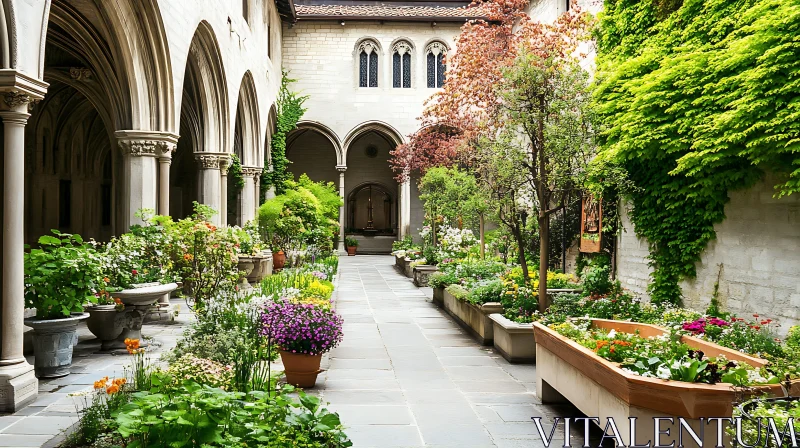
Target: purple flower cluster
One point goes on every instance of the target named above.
(699, 326)
(301, 327)
(319, 275)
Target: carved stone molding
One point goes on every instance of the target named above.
(401, 47)
(16, 99)
(80, 73)
(151, 148)
(224, 164)
(436, 48)
(208, 161)
(341, 168)
(165, 150)
(251, 171)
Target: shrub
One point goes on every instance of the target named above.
(61, 275)
(793, 337)
(202, 371)
(486, 291)
(350, 242)
(458, 291)
(442, 279)
(596, 280)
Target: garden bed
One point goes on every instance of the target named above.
(598, 387)
(474, 318)
(514, 341)
(422, 273)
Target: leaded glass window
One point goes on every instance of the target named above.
(401, 65)
(368, 64)
(434, 56)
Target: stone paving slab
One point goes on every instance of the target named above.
(408, 376)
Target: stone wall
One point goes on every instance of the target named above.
(757, 249)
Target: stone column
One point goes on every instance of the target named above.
(224, 164)
(341, 248)
(209, 182)
(249, 194)
(270, 191)
(140, 150)
(18, 385)
(164, 161)
(405, 208)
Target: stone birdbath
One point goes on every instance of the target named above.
(138, 301)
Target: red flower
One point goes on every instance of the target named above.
(135, 272)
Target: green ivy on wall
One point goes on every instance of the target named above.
(696, 99)
(289, 108)
(236, 179)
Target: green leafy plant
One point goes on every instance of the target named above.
(61, 275)
(350, 242)
(289, 108)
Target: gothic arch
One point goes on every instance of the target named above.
(204, 64)
(272, 123)
(247, 122)
(385, 130)
(327, 132)
(8, 35)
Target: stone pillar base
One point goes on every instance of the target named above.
(18, 387)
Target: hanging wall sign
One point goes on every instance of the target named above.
(591, 224)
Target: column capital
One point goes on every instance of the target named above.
(224, 164)
(208, 160)
(251, 171)
(147, 143)
(20, 91)
(341, 168)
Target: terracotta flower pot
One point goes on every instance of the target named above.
(351, 251)
(278, 260)
(301, 370)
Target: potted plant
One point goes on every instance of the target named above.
(60, 277)
(106, 319)
(303, 332)
(351, 244)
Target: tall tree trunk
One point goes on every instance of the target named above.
(483, 239)
(521, 249)
(544, 252)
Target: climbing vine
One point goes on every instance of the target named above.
(696, 99)
(236, 180)
(289, 108)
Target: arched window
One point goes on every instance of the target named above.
(368, 64)
(434, 54)
(401, 65)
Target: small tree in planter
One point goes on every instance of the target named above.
(303, 332)
(60, 277)
(351, 244)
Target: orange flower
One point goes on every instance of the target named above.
(101, 383)
(118, 301)
(188, 257)
(119, 381)
(106, 279)
(132, 345)
(112, 389)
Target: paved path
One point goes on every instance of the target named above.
(407, 375)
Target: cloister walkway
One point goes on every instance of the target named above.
(407, 375)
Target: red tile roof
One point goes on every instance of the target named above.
(381, 12)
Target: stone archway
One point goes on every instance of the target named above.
(242, 199)
(202, 155)
(366, 156)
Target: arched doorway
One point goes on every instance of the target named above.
(372, 208)
(242, 197)
(314, 149)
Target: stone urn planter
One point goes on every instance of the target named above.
(259, 269)
(278, 260)
(138, 301)
(407, 269)
(106, 323)
(514, 341)
(301, 370)
(474, 318)
(246, 266)
(268, 262)
(570, 372)
(53, 341)
(421, 273)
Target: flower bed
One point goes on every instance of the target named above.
(473, 317)
(598, 386)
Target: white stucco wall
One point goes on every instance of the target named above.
(758, 246)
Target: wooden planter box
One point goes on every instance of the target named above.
(474, 318)
(513, 340)
(421, 274)
(598, 387)
(438, 297)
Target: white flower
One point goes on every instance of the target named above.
(612, 334)
(663, 372)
